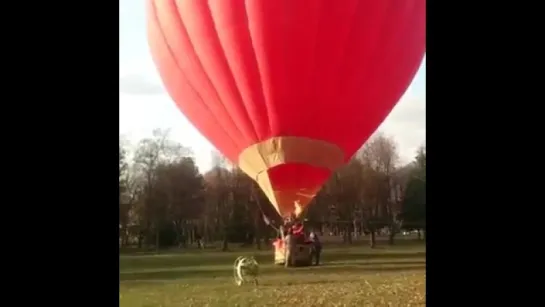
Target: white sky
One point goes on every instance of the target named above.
(144, 105)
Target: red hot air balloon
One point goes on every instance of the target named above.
(288, 89)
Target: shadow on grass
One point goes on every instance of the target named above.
(329, 242)
(370, 256)
(227, 259)
(331, 268)
(187, 260)
(370, 264)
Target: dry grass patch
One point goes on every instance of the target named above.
(353, 276)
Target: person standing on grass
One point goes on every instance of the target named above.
(316, 246)
(289, 248)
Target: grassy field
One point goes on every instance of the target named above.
(349, 276)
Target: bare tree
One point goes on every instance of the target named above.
(220, 197)
(149, 155)
(123, 210)
(414, 196)
(380, 158)
(128, 199)
(344, 189)
(247, 206)
(180, 189)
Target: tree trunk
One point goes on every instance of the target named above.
(391, 236)
(225, 220)
(225, 245)
(257, 233)
(157, 240)
(372, 239)
(206, 233)
(419, 234)
(393, 231)
(322, 229)
(140, 238)
(125, 239)
(123, 233)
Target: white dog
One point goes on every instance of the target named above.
(246, 269)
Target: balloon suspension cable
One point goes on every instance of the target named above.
(263, 215)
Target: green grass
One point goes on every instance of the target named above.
(349, 276)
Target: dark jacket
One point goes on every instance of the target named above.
(315, 239)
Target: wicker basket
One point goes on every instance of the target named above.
(302, 254)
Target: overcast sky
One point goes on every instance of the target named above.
(144, 104)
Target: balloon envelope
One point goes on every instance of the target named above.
(288, 89)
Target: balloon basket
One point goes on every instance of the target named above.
(302, 254)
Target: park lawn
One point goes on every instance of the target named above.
(349, 276)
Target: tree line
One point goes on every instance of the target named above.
(165, 201)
